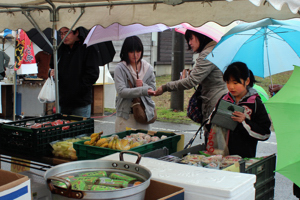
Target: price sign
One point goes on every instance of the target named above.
(15, 167)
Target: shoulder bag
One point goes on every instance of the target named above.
(138, 109)
(194, 110)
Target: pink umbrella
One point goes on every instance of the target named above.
(210, 29)
(117, 32)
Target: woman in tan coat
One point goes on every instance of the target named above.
(204, 73)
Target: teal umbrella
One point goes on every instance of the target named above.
(284, 109)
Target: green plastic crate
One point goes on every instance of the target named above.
(265, 177)
(86, 152)
(18, 137)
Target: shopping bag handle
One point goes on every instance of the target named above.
(189, 144)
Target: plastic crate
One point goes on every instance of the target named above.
(86, 152)
(265, 177)
(174, 157)
(157, 153)
(17, 137)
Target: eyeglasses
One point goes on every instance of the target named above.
(61, 34)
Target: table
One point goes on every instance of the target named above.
(45, 161)
(32, 107)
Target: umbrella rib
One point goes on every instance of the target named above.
(280, 38)
(258, 36)
(270, 34)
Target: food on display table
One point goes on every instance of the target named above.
(113, 183)
(87, 180)
(210, 161)
(53, 123)
(250, 161)
(121, 176)
(192, 158)
(102, 188)
(126, 143)
(64, 148)
(98, 181)
(94, 174)
(79, 185)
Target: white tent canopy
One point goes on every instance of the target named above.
(146, 12)
(42, 14)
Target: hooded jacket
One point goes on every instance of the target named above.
(256, 127)
(125, 94)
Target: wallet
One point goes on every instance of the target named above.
(223, 114)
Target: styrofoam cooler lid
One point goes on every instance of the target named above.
(208, 182)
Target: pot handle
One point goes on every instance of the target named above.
(131, 152)
(61, 191)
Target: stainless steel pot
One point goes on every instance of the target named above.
(129, 193)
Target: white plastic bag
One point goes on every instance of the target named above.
(47, 93)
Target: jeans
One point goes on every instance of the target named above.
(84, 111)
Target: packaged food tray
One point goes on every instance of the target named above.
(86, 152)
(18, 137)
(176, 157)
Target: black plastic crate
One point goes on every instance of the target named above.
(18, 137)
(265, 177)
(158, 153)
(174, 157)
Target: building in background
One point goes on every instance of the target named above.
(157, 51)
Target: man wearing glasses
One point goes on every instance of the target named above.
(77, 72)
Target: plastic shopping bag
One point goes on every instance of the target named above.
(217, 143)
(47, 93)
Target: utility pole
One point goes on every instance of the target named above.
(177, 97)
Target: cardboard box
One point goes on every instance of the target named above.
(14, 186)
(39, 188)
(163, 191)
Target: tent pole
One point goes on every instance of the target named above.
(31, 20)
(54, 34)
(15, 85)
(103, 93)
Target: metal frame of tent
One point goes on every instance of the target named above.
(27, 9)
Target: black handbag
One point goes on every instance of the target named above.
(194, 109)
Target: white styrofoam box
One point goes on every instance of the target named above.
(28, 69)
(198, 182)
(19, 192)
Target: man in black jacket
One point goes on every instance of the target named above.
(78, 70)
